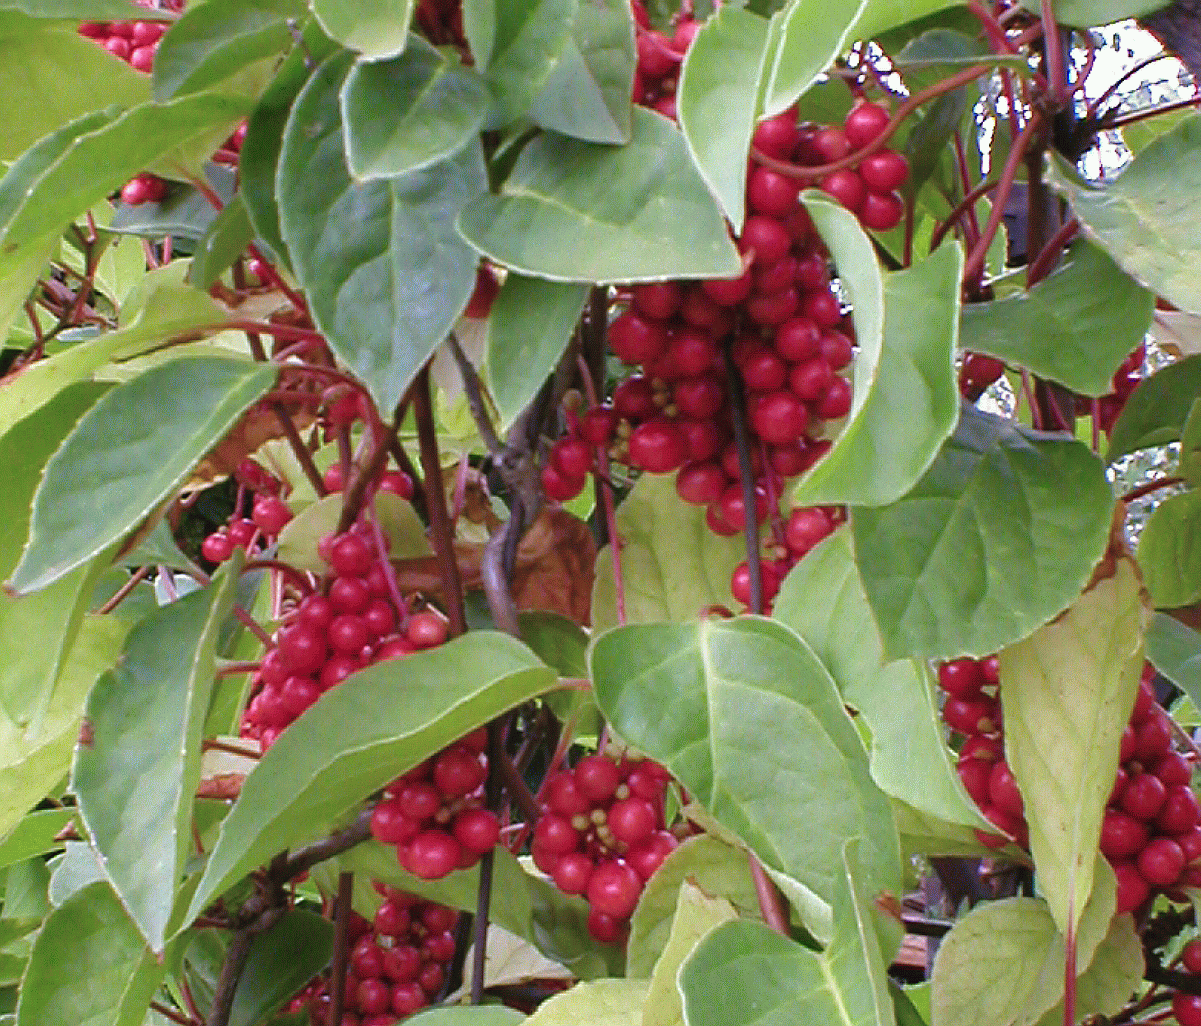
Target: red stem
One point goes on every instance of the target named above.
(1053, 47)
(1091, 110)
(1042, 264)
(1151, 486)
(771, 905)
(967, 203)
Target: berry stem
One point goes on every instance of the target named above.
(747, 476)
(961, 208)
(354, 497)
(435, 498)
(1091, 111)
(342, 909)
(1151, 486)
(123, 592)
(167, 1012)
(771, 904)
(1042, 264)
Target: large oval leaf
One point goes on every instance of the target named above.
(750, 723)
(1175, 651)
(906, 405)
(999, 535)
(1169, 554)
(378, 723)
(127, 454)
(1156, 411)
(577, 211)
(811, 35)
(600, 1003)
(379, 28)
(385, 272)
(1146, 219)
(1075, 326)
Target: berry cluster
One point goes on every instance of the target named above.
(134, 42)
(1187, 1007)
(1151, 833)
(268, 516)
(398, 963)
(434, 814)
(602, 835)
(659, 58)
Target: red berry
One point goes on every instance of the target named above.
(798, 339)
(390, 825)
(1190, 955)
(777, 136)
(1190, 844)
(141, 58)
(419, 800)
(426, 630)
(1121, 835)
(881, 213)
(648, 856)
(831, 144)
(397, 482)
(701, 397)
(774, 307)
(822, 307)
(1161, 862)
(780, 418)
(1144, 796)
(351, 556)
(614, 889)
(637, 339)
(805, 528)
(768, 239)
(432, 854)
(118, 47)
(477, 830)
(1187, 1008)
(297, 694)
(598, 424)
(975, 773)
(440, 947)
(1180, 811)
(217, 547)
(733, 511)
(408, 998)
(572, 873)
(729, 291)
(657, 446)
(555, 835)
(884, 171)
(837, 401)
(431, 978)
(635, 398)
(659, 300)
(605, 928)
(402, 963)
(559, 488)
(836, 349)
(1153, 737)
(960, 678)
(740, 582)
(769, 192)
(241, 531)
(597, 777)
(632, 820)
(701, 483)
(458, 772)
(392, 920)
(439, 918)
(811, 379)
(1133, 890)
(970, 716)
(847, 187)
(367, 958)
(1003, 790)
(1173, 768)
(865, 124)
(572, 457)
(302, 649)
(564, 798)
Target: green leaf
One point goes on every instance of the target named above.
(1169, 554)
(136, 781)
(100, 161)
(717, 868)
(73, 871)
(224, 241)
(1175, 651)
(1087, 13)
(1144, 219)
(281, 961)
(516, 45)
(812, 34)
(259, 155)
(717, 99)
(822, 599)
(577, 211)
(214, 40)
(696, 914)
(1067, 691)
(559, 642)
(1190, 447)
(386, 274)
(600, 1003)
(1076, 326)
(376, 28)
(74, 10)
(397, 518)
(40, 57)
(587, 95)
(410, 112)
(468, 1015)
(25, 885)
(184, 212)
(118, 463)
(35, 757)
(750, 723)
(522, 903)
(997, 494)
(879, 16)
(531, 323)
(89, 965)
(1003, 963)
(34, 835)
(1115, 974)
(19, 273)
(945, 48)
(1156, 411)
(159, 308)
(378, 723)
(1141, 134)
(906, 398)
(847, 984)
(672, 566)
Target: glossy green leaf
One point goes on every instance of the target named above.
(945, 48)
(1076, 326)
(812, 34)
(19, 273)
(600, 1003)
(516, 45)
(99, 162)
(1088, 13)
(73, 10)
(577, 211)
(118, 463)
(1190, 447)
(751, 724)
(559, 642)
(880, 16)
(531, 323)
(822, 599)
(136, 781)
(1141, 134)
(1116, 972)
(397, 518)
(280, 963)
(745, 973)
(1144, 219)
(907, 404)
(36, 756)
(1156, 411)
(213, 40)
(587, 95)
(672, 566)
(1169, 553)
(184, 212)
(378, 723)
(385, 272)
(469, 1015)
(259, 155)
(1175, 651)
(522, 903)
(1003, 963)
(160, 307)
(717, 868)
(376, 28)
(41, 57)
(89, 965)
(409, 112)
(697, 913)
(997, 494)
(34, 835)
(25, 886)
(225, 240)
(73, 871)
(1067, 691)
(717, 99)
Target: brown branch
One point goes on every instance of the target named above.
(337, 986)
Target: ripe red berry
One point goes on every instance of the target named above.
(740, 582)
(477, 830)
(408, 998)
(1122, 836)
(217, 547)
(700, 397)
(648, 856)
(960, 678)
(367, 958)
(426, 630)
(657, 446)
(729, 291)
(598, 424)
(1133, 890)
(847, 187)
(564, 798)
(397, 482)
(865, 124)
(884, 171)
(390, 825)
(768, 239)
(701, 483)
(769, 192)
(458, 772)
(635, 398)
(558, 487)
(777, 136)
(1153, 737)
(1173, 769)
(597, 777)
(241, 531)
(974, 774)
(1180, 811)
(431, 855)
(402, 963)
(605, 928)
(831, 144)
(780, 418)
(637, 339)
(659, 300)
(614, 889)
(555, 835)
(391, 920)
(350, 556)
(1187, 1009)
(632, 820)
(431, 978)
(1161, 862)
(798, 339)
(572, 873)
(970, 716)
(822, 307)
(1190, 956)
(811, 379)
(881, 212)
(1143, 796)
(302, 649)
(837, 401)
(1003, 790)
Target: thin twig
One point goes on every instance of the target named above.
(337, 986)
(1151, 486)
(1091, 110)
(475, 396)
(123, 592)
(1042, 265)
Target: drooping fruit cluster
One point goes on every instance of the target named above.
(398, 963)
(659, 57)
(435, 813)
(602, 835)
(352, 622)
(134, 42)
(1151, 831)
(269, 514)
